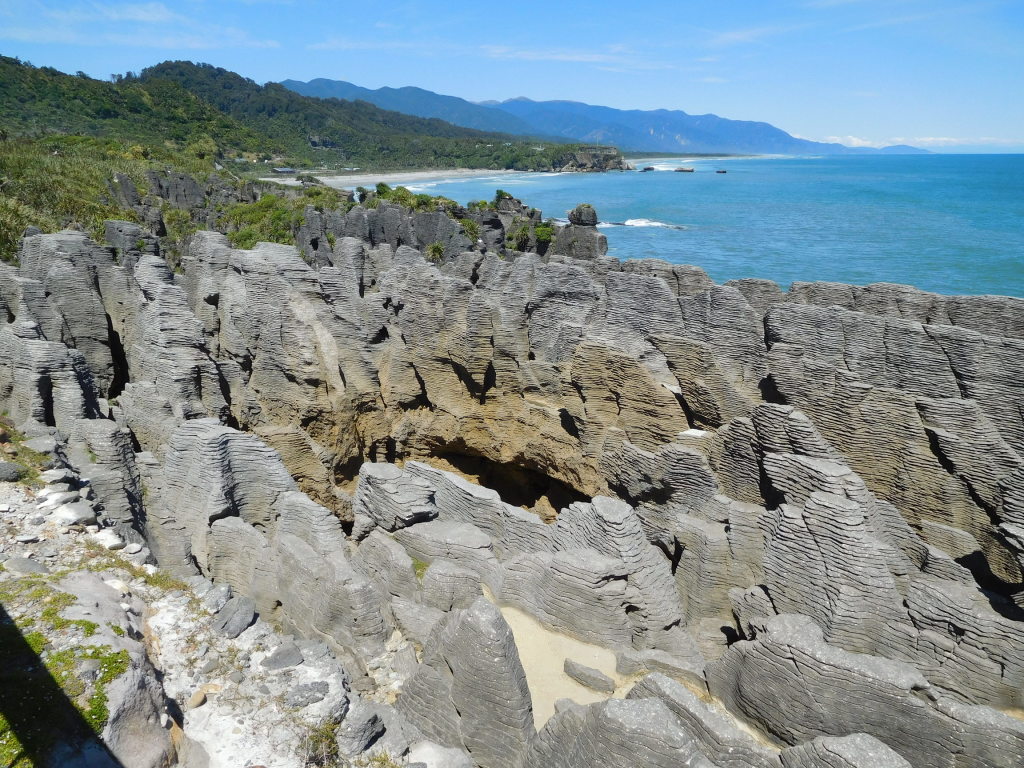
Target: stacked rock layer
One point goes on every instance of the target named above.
(797, 518)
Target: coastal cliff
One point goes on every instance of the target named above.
(792, 519)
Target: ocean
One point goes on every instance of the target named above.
(951, 224)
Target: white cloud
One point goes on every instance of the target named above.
(614, 58)
(143, 13)
(853, 141)
(951, 141)
(346, 44)
(526, 54)
(922, 141)
(918, 18)
(751, 34)
(182, 35)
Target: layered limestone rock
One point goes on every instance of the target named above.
(795, 518)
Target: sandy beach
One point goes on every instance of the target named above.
(369, 179)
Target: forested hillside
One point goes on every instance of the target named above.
(212, 112)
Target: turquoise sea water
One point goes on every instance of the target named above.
(945, 223)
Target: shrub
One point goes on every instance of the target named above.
(544, 233)
(472, 229)
(520, 238)
(270, 219)
(435, 253)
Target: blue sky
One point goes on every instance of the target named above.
(941, 74)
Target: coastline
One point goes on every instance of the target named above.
(369, 179)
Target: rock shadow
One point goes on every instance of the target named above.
(39, 724)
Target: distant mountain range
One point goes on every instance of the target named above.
(659, 130)
(205, 111)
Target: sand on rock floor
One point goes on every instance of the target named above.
(543, 653)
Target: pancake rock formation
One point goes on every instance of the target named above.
(741, 526)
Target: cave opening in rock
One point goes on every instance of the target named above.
(517, 485)
(45, 390)
(119, 359)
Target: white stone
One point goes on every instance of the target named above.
(107, 538)
(61, 497)
(78, 513)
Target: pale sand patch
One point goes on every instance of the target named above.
(369, 180)
(543, 652)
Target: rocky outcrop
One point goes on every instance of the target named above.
(592, 159)
(470, 690)
(581, 239)
(794, 519)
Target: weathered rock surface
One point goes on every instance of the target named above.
(471, 691)
(810, 502)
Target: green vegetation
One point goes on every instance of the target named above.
(179, 224)
(276, 219)
(544, 232)
(417, 202)
(153, 115)
(33, 612)
(380, 760)
(99, 558)
(29, 196)
(270, 219)
(51, 614)
(207, 113)
(30, 461)
(188, 118)
(113, 664)
(319, 744)
(519, 238)
(334, 133)
(435, 253)
(471, 228)
(419, 568)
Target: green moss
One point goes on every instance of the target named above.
(63, 666)
(41, 689)
(30, 461)
(51, 614)
(98, 558)
(12, 754)
(164, 581)
(380, 760)
(419, 568)
(113, 664)
(116, 630)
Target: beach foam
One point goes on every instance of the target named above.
(640, 223)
